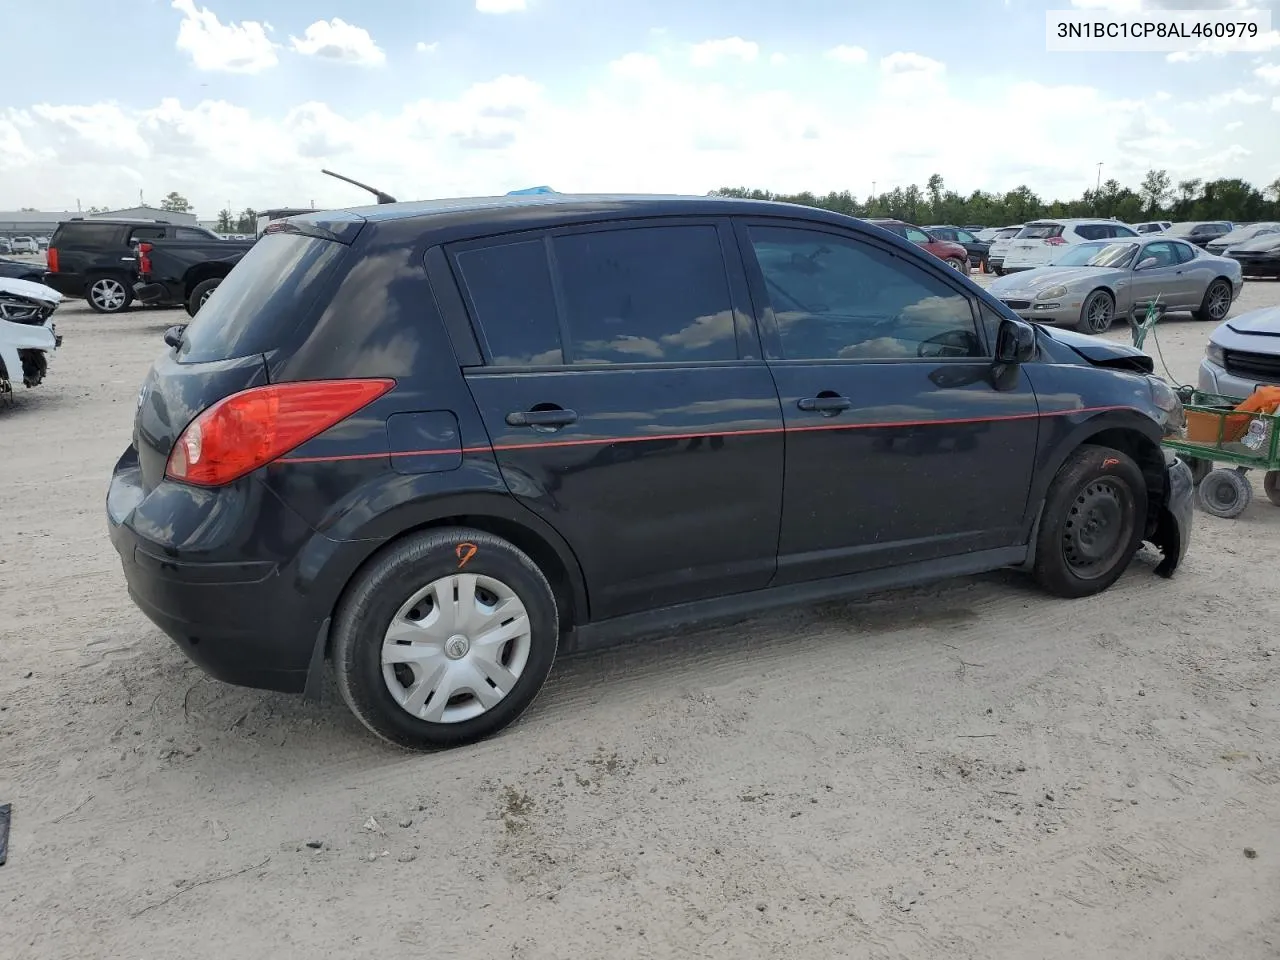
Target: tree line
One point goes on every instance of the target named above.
(1158, 198)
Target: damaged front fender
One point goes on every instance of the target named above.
(1173, 528)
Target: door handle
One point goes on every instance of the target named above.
(825, 404)
(541, 418)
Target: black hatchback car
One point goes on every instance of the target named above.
(436, 443)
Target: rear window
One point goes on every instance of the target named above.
(261, 299)
(1008, 233)
(1040, 231)
(81, 234)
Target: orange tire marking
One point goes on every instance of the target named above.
(464, 552)
(1109, 462)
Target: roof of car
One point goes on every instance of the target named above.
(541, 210)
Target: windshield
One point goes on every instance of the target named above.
(1249, 232)
(1096, 255)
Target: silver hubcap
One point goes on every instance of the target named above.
(1219, 301)
(108, 294)
(203, 297)
(456, 648)
(1099, 314)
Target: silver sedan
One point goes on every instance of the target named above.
(1092, 283)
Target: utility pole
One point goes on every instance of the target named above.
(873, 189)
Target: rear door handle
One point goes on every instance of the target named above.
(541, 418)
(825, 404)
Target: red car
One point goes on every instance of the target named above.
(954, 254)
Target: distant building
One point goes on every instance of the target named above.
(42, 223)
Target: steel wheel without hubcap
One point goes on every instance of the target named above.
(456, 648)
(108, 294)
(955, 264)
(1100, 525)
(1097, 313)
(1219, 298)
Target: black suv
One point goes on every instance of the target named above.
(98, 260)
(436, 443)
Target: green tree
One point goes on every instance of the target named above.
(175, 203)
(247, 222)
(934, 187)
(1156, 189)
(225, 222)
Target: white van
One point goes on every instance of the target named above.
(1039, 240)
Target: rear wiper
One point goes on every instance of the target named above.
(382, 197)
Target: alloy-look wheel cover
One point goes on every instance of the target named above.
(108, 294)
(456, 648)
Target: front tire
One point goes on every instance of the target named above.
(1092, 523)
(1216, 303)
(108, 294)
(1097, 313)
(445, 639)
(960, 266)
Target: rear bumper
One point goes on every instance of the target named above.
(243, 598)
(151, 293)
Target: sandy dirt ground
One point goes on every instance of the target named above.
(968, 771)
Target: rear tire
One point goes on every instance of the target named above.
(1225, 493)
(1092, 523)
(1216, 303)
(200, 293)
(470, 564)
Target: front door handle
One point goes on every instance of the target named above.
(541, 418)
(826, 403)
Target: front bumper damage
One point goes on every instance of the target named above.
(1173, 525)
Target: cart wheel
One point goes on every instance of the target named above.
(1271, 484)
(1199, 469)
(1225, 493)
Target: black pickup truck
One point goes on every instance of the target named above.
(185, 271)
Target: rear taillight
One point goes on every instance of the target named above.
(144, 258)
(1054, 241)
(248, 430)
(51, 259)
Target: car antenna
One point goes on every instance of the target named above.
(382, 197)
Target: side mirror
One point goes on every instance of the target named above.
(1015, 342)
(1147, 263)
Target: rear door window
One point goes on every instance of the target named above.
(148, 233)
(1092, 231)
(512, 300)
(916, 235)
(262, 299)
(645, 294)
(83, 234)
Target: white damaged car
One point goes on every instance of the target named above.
(28, 336)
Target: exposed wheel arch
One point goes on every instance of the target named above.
(198, 274)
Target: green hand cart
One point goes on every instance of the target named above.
(1217, 433)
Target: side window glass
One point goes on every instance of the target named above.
(147, 233)
(917, 236)
(1162, 252)
(836, 298)
(964, 237)
(1092, 231)
(185, 233)
(509, 288)
(1185, 252)
(646, 294)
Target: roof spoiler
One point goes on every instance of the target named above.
(382, 197)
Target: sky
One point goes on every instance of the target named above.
(240, 103)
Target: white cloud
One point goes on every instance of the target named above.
(711, 52)
(635, 127)
(847, 54)
(1234, 125)
(1262, 43)
(424, 47)
(1269, 73)
(1275, 104)
(339, 41)
(636, 66)
(909, 63)
(778, 59)
(1231, 98)
(500, 6)
(231, 47)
